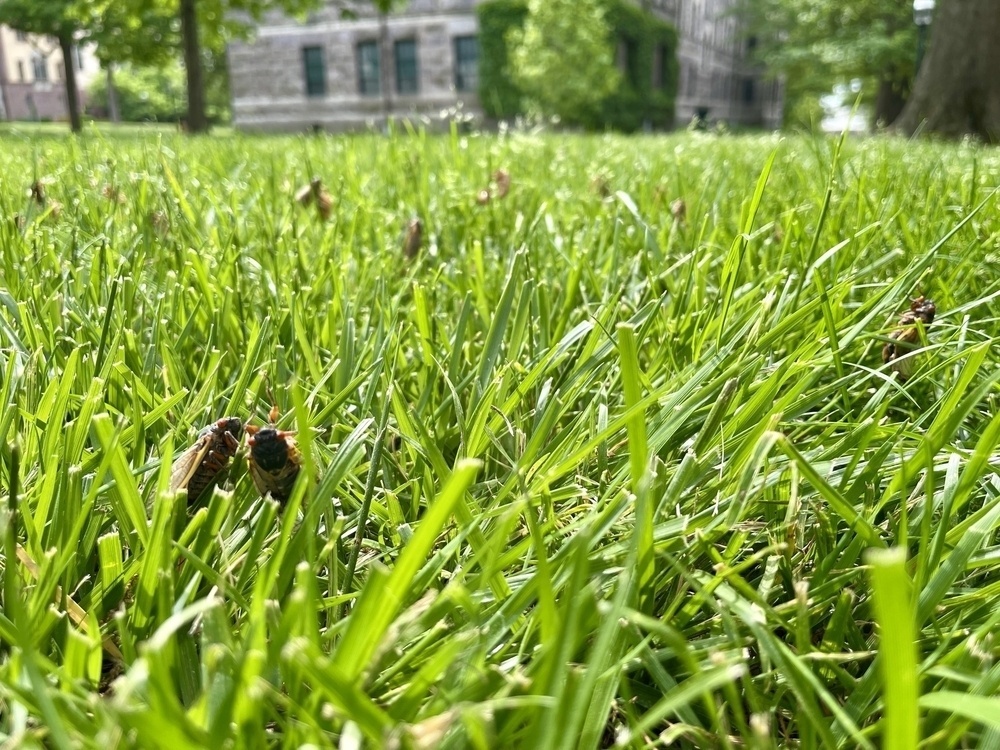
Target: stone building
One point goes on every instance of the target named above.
(330, 71)
(717, 79)
(31, 76)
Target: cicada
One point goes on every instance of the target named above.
(679, 209)
(314, 191)
(502, 179)
(906, 338)
(414, 238)
(200, 466)
(38, 192)
(275, 460)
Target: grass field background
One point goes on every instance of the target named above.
(584, 472)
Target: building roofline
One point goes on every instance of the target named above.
(292, 27)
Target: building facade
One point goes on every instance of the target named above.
(31, 76)
(346, 67)
(718, 79)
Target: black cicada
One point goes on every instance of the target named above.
(275, 460)
(199, 467)
(906, 338)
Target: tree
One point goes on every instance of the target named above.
(142, 36)
(818, 43)
(147, 93)
(119, 34)
(205, 26)
(384, 8)
(563, 58)
(55, 18)
(957, 91)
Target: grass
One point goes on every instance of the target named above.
(582, 474)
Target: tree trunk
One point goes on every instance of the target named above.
(386, 82)
(72, 94)
(197, 122)
(889, 101)
(113, 113)
(957, 91)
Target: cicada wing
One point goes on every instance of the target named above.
(904, 364)
(261, 479)
(186, 464)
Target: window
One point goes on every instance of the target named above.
(466, 63)
(748, 91)
(660, 67)
(39, 69)
(315, 70)
(20, 70)
(21, 36)
(407, 76)
(78, 56)
(626, 60)
(368, 69)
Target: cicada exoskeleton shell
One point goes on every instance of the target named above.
(414, 239)
(906, 338)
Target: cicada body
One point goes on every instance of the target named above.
(414, 238)
(906, 338)
(315, 191)
(502, 179)
(201, 466)
(275, 460)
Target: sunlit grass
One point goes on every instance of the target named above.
(581, 473)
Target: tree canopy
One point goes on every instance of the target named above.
(56, 18)
(145, 32)
(563, 58)
(818, 43)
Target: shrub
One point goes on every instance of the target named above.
(635, 102)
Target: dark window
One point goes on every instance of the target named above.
(661, 67)
(407, 76)
(20, 70)
(22, 37)
(39, 69)
(627, 60)
(369, 74)
(78, 56)
(748, 91)
(751, 44)
(466, 63)
(315, 70)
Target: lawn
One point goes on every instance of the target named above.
(613, 459)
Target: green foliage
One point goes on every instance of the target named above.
(805, 113)
(499, 95)
(52, 18)
(638, 100)
(387, 6)
(145, 94)
(635, 101)
(158, 94)
(580, 470)
(562, 58)
(144, 34)
(218, 20)
(818, 43)
(140, 34)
